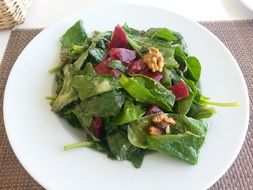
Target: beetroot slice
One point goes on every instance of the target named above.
(122, 54)
(103, 68)
(137, 67)
(119, 38)
(157, 76)
(153, 109)
(180, 90)
(97, 125)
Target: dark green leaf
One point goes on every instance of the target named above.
(122, 149)
(130, 113)
(195, 67)
(116, 64)
(183, 146)
(166, 80)
(97, 54)
(84, 119)
(184, 124)
(183, 106)
(104, 105)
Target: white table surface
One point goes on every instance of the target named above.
(44, 13)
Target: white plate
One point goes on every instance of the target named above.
(248, 3)
(37, 135)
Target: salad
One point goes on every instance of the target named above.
(131, 92)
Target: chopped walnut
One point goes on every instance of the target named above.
(154, 59)
(155, 131)
(164, 122)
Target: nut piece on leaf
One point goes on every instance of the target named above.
(154, 59)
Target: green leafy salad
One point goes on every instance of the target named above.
(131, 92)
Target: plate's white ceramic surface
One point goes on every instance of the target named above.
(37, 135)
(248, 3)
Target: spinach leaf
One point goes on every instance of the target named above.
(167, 50)
(59, 77)
(84, 119)
(90, 85)
(194, 67)
(148, 91)
(138, 131)
(129, 113)
(104, 105)
(122, 149)
(75, 35)
(166, 80)
(131, 31)
(116, 64)
(67, 113)
(98, 54)
(184, 124)
(100, 40)
(160, 33)
(180, 41)
(183, 146)
(183, 106)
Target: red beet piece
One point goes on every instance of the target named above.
(180, 90)
(154, 75)
(97, 125)
(122, 54)
(153, 109)
(103, 68)
(119, 38)
(137, 67)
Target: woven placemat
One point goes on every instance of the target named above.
(236, 35)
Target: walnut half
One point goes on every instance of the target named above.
(163, 123)
(154, 59)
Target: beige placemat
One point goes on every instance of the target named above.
(236, 35)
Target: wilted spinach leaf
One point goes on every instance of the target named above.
(67, 93)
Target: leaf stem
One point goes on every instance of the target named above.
(79, 144)
(222, 104)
